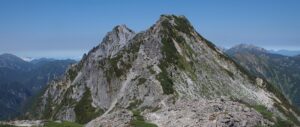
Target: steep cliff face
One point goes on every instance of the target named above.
(168, 75)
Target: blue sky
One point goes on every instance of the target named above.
(69, 28)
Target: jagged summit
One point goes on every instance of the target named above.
(120, 35)
(160, 75)
(113, 41)
(122, 31)
(170, 17)
(180, 23)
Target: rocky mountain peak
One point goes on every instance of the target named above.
(170, 18)
(122, 33)
(169, 22)
(113, 42)
(119, 35)
(151, 73)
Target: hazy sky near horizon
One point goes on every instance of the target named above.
(69, 28)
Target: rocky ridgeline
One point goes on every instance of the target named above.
(208, 113)
(194, 113)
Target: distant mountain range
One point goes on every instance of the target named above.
(285, 52)
(20, 80)
(282, 71)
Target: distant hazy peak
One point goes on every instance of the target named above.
(9, 56)
(12, 61)
(247, 47)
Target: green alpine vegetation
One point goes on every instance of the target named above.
(84, 110)
(264, 111)
(139, 121)
(62, 124)
(5, 125)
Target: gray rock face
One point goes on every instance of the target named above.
(169, 73)
(113, 42)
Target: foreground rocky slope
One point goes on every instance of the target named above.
(283, 71)
(168, 75)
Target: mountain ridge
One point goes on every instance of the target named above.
(278, 69)
(286, 52)
(283, 52)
